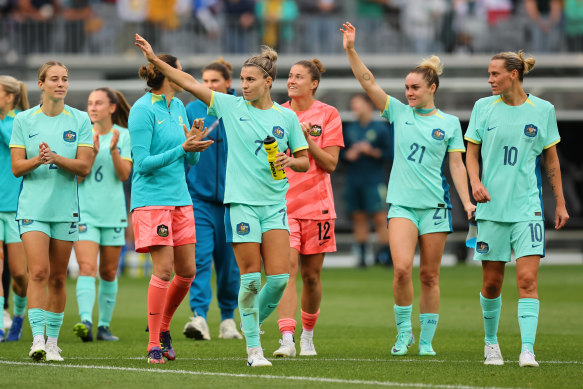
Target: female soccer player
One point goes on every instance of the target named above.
(103, 211)
(310, 205)
(512, 130)
(51, 144)
(13, 99)
(256, 219)
(163, 220)
(418, 194)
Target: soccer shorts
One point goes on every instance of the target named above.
(247, 223)
(163, 226)
(496, 240)
(103, 236)
(9, 228)
(312, 236)
(56, 230)
(427, 220)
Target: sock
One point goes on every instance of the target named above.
(36, 318)
(403, 318)
(179, 287)
(51, 340)
(156, 298)
(271, 294)
(428, 323)
(19, 305)
(86, 297)
(528, 320)
(54, 322)
(2, 313)
(309, 320)
(248, 301)
(362, 253)
(227, 314)
(287, 325)
(491, 313)
(106, 298)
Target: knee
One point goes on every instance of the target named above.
(527, 283)
(108, 274)
(39, 275)
(429, 279)
(57, 281)
(402, 274)
(20, 280)
(311, 280)
(86, 269)
(492, 286)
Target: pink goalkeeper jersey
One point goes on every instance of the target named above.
(310, 194)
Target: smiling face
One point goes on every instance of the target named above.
(99, 107)
(253, 83)
(300, 83)
(214, 80)
(500, 79)
(55, 84)
(418, 93)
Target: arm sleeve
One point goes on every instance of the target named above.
(16, 140)
(475, 127)
(456, 141)
(85, 134)
(297, 140)
(192, 158)
(333, 130)
(552, 130)
(393, 108)
(124, 145)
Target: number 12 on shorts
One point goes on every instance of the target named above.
(325, 228)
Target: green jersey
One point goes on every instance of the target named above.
(101, 195)
(512, 139)
(421, 146)
(48, 192)
(248, 178)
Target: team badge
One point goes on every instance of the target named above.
(530, 130)
(82, 228)
(26, 222)
(242, 229)
(316, 130)
(69, 136)
(180, 119)
(162, 230)
(278, 132)
(482, 247)
(438, 134)
(370, 135)
(117, 230)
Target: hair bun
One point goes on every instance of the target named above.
(433, 63)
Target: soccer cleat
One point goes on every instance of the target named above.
(53, 353)
(493, 355)
(15, 329)
(197, 328)
(287, 349)
(37, 350)
(228, 330)
(104, 333)
(526, 359)
(307, 346)
(83, 331)
(166, 344)
(426, 350)
(2, 339)
(155, 356)
(255, 357)
(404, 341)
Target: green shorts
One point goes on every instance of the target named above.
(427, 220)
(247, 223)
(9, 228)
(103, 236)
(496, 240)
(57, 230)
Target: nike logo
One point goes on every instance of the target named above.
(161, 121)
(399, 323)
(152, 314)
(488, 318)
(491, 128)
(244, 119)
(33, 135)
(116, 237)
(437, 223)
(535, 245)
(272, 306)
(524, 317)
(324, 242)
(247, 314)
(72, 232)
(409, 123)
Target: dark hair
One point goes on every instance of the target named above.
(221, 66)
(264, 61)
(315, 68)
(154, 77)
(430, 69)
(516, 61)
(122, 107)
(364, 97)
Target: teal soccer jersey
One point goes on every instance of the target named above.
(49, 193)
(10, 185)
(101, 196)
(512, 139)
(248, 180)
(421, 147)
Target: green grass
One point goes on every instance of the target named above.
(353, 338)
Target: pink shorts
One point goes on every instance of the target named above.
(163, 226)
(312, 236)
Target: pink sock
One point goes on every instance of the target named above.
(287, 325)
(179, 287)
(156, 297)
(309, 320)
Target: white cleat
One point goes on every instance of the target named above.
(307, 348)
(38, 350)
(54, 353)
(197, 328)
(526, 359)
(228, 330)
(287, 349)
(255, 357)
(492, 355)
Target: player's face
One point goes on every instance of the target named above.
(253, 84)
(418, 93)
(500, 79)
(299, 82)
(56, 83)
(213, 79)
(99, 107)
(175, 87)
(6, 100)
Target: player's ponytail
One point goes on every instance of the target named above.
(516, 61)
(17, 88)
(430, 69)
(315, 68)
(122, 107)
(154, 77)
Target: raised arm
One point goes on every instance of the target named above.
(460, 180)
(185, 80)
(361, 72)
(553, 168)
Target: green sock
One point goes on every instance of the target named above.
(86, 297)
(403, 318)
(2, 313)
(248, 292)
(19, 305)
(106, 298)
(271, 294)
(528, 320)
(36, 318)
(428, 325)
(491, 313)
(54, 322)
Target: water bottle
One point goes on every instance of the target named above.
(472, 233)
(271, 148)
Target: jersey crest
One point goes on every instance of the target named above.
(482, 247)
(530, 130)
(438, 134)
(162, 230)
(316, 130)
(82, 228)
(278, 132)
(243, 228)
(69, 136)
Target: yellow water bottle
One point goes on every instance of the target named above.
(270, 145)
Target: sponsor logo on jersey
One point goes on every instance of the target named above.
(316, 130)
(242, 228)
(26, 222)
(438, 134)
(482, 247)
(530, 130)
(278, 132)
(82, 228)
(69, 136)
(162, 230)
